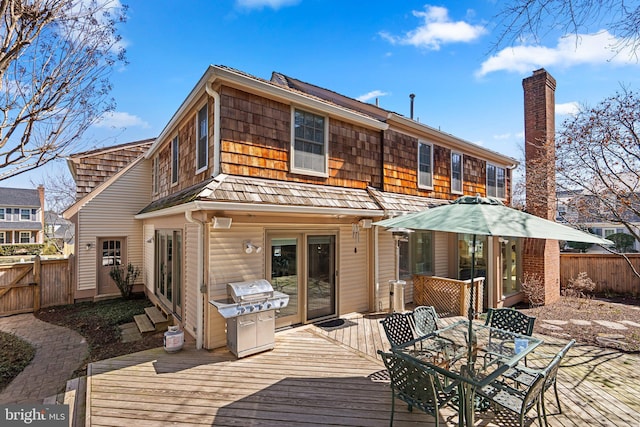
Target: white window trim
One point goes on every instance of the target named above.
(175, 161)
(461, 191)
(309, 172)
(28, 210)
(496, 167)
(155, 178)
(23, 233)
(206, 150)
(422, 186)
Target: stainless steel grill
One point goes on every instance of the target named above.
(250, 312)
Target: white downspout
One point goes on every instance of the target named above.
(377, 306)
(200, 279)
(216, 127)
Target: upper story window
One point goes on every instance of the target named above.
(496, 182)
(456, 172)
(155, 176)
(425, 165)
(2, 214)
(25, 214)
(310, 141)
(202, 140)
(174, 160)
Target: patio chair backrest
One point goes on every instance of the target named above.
(412, 382)
(398, 328)
(551, 371)
(425, 320)
(511, 320)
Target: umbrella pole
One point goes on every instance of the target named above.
(471, 312)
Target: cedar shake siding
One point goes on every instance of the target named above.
(255, 141)
(92, 168)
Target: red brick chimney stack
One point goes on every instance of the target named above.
(541, 257)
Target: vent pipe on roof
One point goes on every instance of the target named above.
(412, 95)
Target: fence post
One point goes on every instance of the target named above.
(37, 268)
(71, 268)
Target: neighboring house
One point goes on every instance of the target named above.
(576, 207)
(60, 231)
(299, 172)
(21, 218)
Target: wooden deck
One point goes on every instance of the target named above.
(326, 376)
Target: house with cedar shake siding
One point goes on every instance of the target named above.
(299, 173)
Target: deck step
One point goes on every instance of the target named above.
(157, 317)
(144, 324)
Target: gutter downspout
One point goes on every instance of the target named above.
(216, 127)
(200, 278)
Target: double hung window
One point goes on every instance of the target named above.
(202, 140)
(310, 143)
(425, 165)
(175, 156)
(496, 181)
(456, 172)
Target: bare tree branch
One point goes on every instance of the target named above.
(55, 60)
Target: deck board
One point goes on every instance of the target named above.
(327, 377)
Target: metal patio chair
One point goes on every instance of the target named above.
(510, 319)
(416, 385)
(525, 376)
(399, 328)
(425, 320)
(519, 401)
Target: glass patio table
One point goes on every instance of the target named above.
(469, 363)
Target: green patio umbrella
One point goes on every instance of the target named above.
(487, 216)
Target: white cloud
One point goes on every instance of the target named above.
(597, 48)
(437, 29)
(371, 95)
(503, 136)
(118, 119)
(259, 4)
(568, 108)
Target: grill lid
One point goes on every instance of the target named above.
(249, 290)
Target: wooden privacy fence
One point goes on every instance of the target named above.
(28, 286)
(610, 272)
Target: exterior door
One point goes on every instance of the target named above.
(168, 286)
(284, 265)
(111, 253)
(321, 277)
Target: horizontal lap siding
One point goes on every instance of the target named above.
(386, 266)
(353, 280)
(228, 262)
(191, 285)
(111, 214)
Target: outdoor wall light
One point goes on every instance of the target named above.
(88, 246)
(249, 247)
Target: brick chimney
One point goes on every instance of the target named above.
(541, 257)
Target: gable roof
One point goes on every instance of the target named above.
(73, 209)
(20, 197)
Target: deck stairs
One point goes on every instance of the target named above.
(153, 320)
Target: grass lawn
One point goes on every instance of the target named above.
(15, 355)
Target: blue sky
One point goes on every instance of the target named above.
(441, 52)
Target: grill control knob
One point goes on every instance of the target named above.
(268, 305)
(241, 309)
(250, 308)
(259, 307)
